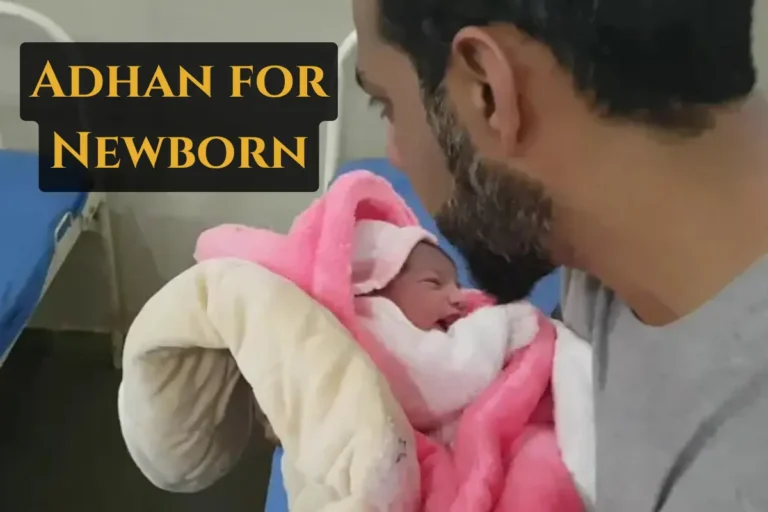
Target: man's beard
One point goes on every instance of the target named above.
(498, 218)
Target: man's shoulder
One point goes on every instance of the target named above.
(731, 471)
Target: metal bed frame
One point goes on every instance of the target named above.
(94, 216)
(332, 159)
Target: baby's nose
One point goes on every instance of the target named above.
(456, 299)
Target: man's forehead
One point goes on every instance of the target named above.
(380, 65)
(369, 41)
(365, 15)
(379, 71)
(371, 58)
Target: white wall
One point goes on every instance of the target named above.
(761, 41)
(156, 232)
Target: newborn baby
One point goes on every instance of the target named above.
(408, 296)
(426, 289)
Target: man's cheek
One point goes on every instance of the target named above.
(412, 148)
(433, 196)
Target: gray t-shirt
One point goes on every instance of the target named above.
(682, 411)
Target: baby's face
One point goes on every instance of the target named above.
(426, 289)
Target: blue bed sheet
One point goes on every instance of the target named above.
(545, 296)
(28, 220)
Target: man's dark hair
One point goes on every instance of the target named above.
(661, 62)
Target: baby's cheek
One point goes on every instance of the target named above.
(436, 310)
(420, 313)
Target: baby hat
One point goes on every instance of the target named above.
(380, 250)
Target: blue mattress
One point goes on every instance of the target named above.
(28, 220)
(545, 296)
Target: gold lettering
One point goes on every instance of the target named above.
(102, 153)
(109, 152)
(261, 82)
(159, 82)
(229, 152)
(185, 149)
(59, 145)
(305, 81)
(238, 80)
(48, 79)
(132, 81)
(146, 148)
(281, 148)
(245, 152)
(204, 85)
(98, 81)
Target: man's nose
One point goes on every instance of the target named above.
(393, 153)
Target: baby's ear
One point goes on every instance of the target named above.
(475, 299)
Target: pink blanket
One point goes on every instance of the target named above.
(505, 456)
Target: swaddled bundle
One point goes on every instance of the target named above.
(407, 294)
(258, 305)
(452, 345)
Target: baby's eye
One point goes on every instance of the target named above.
(433, 281)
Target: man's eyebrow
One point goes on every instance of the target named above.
(366, 85)
(359, 78)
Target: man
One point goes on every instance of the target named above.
(624, 140)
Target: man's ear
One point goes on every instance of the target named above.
(482, 67)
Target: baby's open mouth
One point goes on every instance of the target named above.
(445, 323)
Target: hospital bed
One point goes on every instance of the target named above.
(38, 230)
(337, 161)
